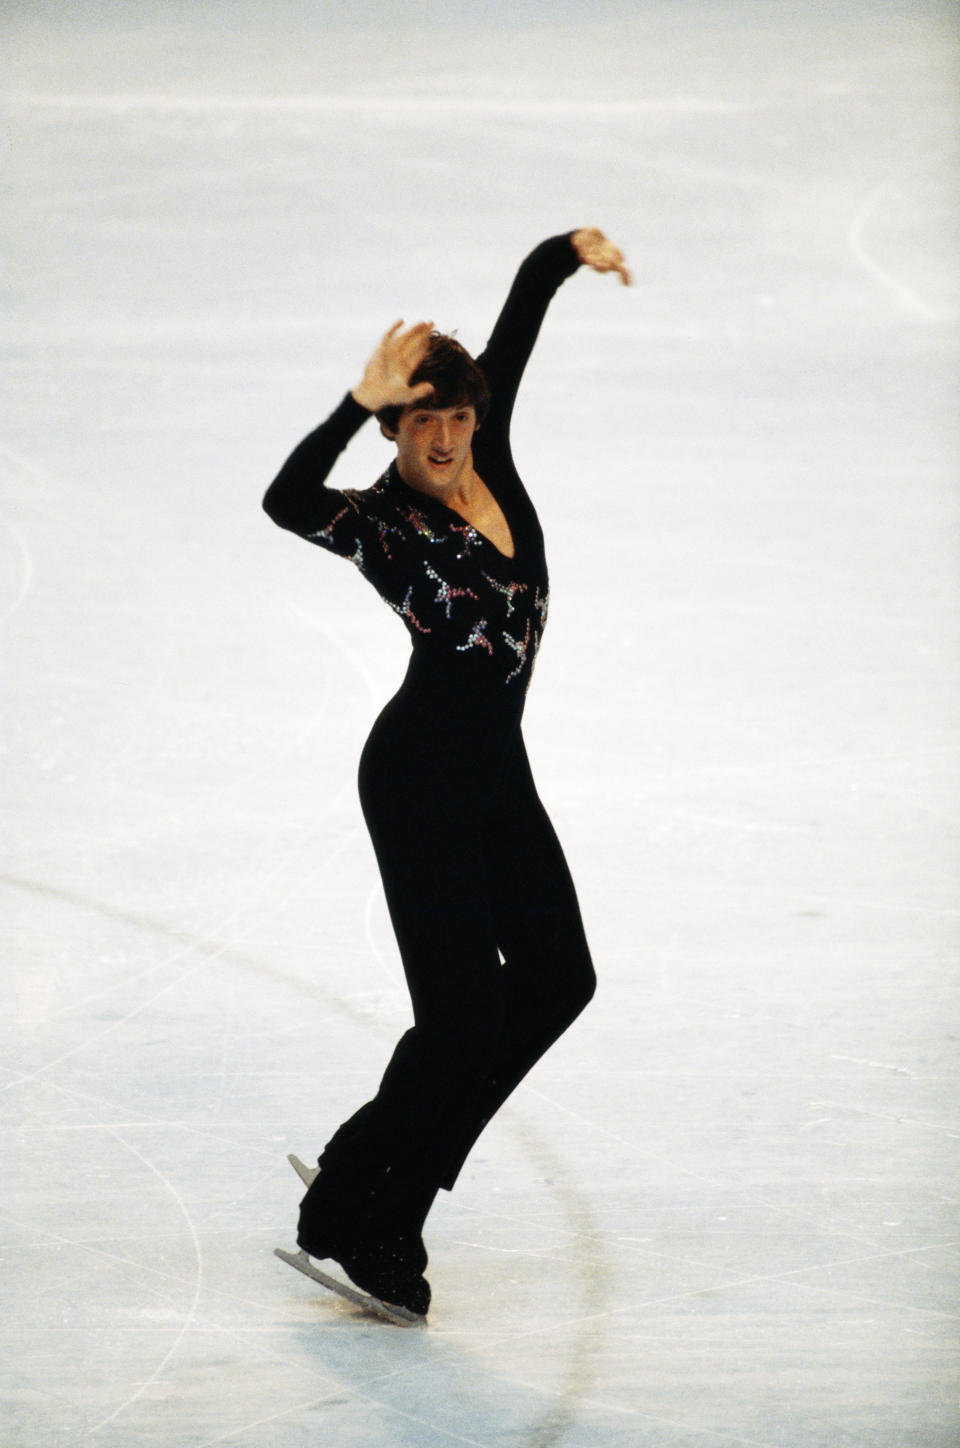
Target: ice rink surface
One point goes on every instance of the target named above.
(723, 1211)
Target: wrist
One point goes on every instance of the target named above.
(365, 398)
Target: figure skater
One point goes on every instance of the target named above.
(480, 896)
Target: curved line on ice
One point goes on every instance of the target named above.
(577, 1374)
(332, 637)
(26, 568)
(864, 214)
(208, 946)
(198, 1286)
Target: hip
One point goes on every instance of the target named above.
(425, 742)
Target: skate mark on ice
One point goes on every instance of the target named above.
(793, 1214)
(375, 698)
(356, 662)
(336, 1397)
(212, 1325)
(55, 484)
(909, 298)
(738, 1281)
(708, 1431)
(949, 1128)
(25, 558)
(583, 1348)
(198, 1287)
(874, 1066)
(240, 1430)
(208, 946)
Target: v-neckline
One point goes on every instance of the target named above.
(438, 502)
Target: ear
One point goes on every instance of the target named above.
(390, 436)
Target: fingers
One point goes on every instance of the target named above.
(406, 349)
(415, 342)
(598, 252)
(386, 378)
(623, 271)
(608, 258)
(414, 334)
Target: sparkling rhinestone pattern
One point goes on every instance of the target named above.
(454, 590)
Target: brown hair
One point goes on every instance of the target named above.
(456, 378)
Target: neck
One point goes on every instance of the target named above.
(457, 493)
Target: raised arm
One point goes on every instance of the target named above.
(297, 498)
(540, 275)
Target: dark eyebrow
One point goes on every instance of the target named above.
(453, 407)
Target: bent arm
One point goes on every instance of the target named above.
(297, 498)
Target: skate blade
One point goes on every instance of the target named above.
(400, 1316)
(307, 1174)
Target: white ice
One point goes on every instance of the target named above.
(723, 1210)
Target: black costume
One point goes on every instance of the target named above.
(471, 866)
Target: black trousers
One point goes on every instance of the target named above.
(490, 934)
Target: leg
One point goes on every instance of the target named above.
(428, 837)
(548, 974)
(381, 1170)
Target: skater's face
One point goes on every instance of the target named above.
(435, 447)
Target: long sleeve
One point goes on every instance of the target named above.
(516, 330)
(297, 498)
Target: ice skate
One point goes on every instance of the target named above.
(385, 1269)
(400, 1316)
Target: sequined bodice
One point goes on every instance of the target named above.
(455, 591)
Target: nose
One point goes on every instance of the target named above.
(443, 432)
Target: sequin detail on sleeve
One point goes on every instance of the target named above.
(324, 536)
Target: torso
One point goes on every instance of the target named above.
(471, 587)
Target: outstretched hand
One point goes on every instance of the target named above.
(386, 378)
(597, 251)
